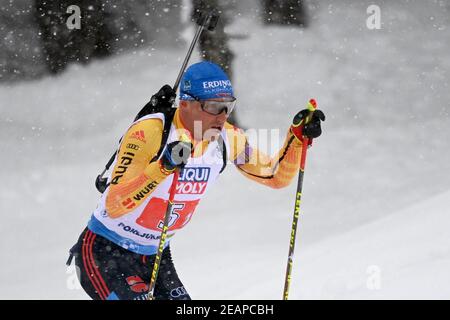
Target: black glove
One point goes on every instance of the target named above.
(164, 98)
(311, 129)
(176, 155)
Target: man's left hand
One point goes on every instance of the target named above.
(310, 129)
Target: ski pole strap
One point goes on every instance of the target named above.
(223, 149)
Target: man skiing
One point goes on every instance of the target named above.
(116, 252)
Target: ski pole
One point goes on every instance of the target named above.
(162, 239)
(208, 21)
(305, 142)
(165, 228)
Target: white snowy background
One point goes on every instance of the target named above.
(375, 220)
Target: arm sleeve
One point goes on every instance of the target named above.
(134, 178)
(276, 172)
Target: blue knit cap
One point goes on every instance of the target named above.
(205, 80)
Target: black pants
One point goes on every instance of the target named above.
(107, 271)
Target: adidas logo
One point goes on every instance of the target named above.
(139, 135)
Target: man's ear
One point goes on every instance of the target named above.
(183, 104)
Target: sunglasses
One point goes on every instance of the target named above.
(216, 107)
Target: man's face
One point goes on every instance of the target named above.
(200, 123)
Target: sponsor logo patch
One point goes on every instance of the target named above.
(178, 292)
(132, 146)
(155, 211)
(137, 284)
(142, 193)
(187, 85)
(139, 135)
(122, 166)
(193, 180)
(128, 203)
(145, 235)
(215, 84)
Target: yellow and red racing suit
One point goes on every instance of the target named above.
(131, 210)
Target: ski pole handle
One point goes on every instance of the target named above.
(311, 106)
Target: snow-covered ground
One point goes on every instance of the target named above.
(377, 185)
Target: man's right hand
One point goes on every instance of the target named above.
(176, 155)
(164, 98)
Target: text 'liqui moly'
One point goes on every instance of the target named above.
(193, 180)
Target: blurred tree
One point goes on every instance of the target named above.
(20, 48)
(214, 44)
(138, 23)
(61, 44)
(286, 12)
(35, 38)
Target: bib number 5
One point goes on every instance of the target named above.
(174, 215)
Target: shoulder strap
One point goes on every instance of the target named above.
(168, 117)
(101, 183)
(223, 149)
